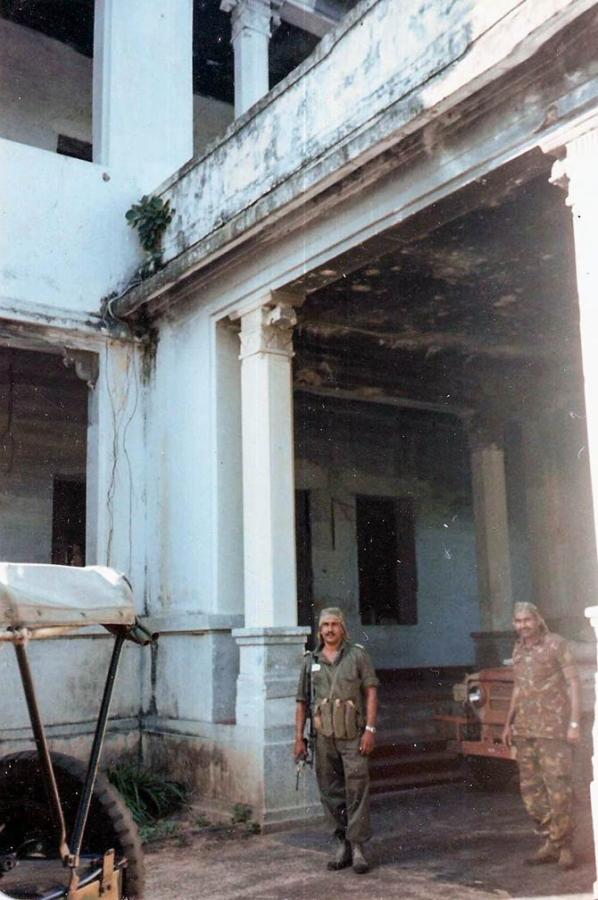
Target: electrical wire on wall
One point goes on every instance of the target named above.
(120, 427)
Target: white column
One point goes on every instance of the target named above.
(492, 530)
(251, 31)
(268, 467)
(578, 173)
(548, 546)
(271, 644)
(143, 87)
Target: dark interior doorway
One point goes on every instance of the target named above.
(68, 521)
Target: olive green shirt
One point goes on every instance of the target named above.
(354, 673)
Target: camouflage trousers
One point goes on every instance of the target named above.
(545, 766)
(344, 783)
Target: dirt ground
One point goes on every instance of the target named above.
(442, 842)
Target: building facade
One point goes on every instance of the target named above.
(361, 372)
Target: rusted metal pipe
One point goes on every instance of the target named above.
(41, 743)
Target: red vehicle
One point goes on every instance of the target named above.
(476, 734)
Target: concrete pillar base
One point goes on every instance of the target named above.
(270, 659)
(492, 648)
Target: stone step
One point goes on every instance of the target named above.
(392, 785)
(401, 749)
(414, 766)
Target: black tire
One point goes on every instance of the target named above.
(490, 775)
(26, 816)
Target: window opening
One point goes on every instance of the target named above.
(386, 560)
(68, 146)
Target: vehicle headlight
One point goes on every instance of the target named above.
(475, 695)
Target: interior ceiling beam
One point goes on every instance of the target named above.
(315, 16)
(483, 193)
(377, 395)
(434, 342)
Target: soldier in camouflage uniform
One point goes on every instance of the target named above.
(340, 683)
(543, 724)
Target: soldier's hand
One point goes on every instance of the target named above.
(367, 743)
(573, 734)
(507, 736)
(300, 749)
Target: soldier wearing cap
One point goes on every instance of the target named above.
(543, 724)
(340, 683)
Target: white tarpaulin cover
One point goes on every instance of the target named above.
(41, 596)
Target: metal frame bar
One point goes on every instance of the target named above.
(41, 743)
(96, 749)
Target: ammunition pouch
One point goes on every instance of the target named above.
(337, 718)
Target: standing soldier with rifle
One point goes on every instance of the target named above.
(338, 687)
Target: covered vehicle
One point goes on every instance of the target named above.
(64, 830)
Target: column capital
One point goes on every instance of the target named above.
(268, 330)
(253, 15)
(484, 431)
(85, 363)
(576, 168)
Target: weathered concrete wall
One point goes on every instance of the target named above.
(69, 675)
(69, 672)
(65, 243)
(47, 87)
(336, 461)
(180, 453)
(302, 138)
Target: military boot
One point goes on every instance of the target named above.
(360, 863)
(342, 854)
(566, 858)
(546, 854)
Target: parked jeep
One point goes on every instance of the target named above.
(475, 734)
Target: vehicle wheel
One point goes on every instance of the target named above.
(28, 823)
(486, 774)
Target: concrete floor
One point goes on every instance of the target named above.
(441, 842)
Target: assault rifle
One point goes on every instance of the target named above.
(308, 757)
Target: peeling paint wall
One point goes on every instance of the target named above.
(414, 59)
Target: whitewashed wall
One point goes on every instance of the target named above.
(64, 242)
(46, 90)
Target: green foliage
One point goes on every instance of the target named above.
(151, 217)
(158, 831)
(241, 813)
(148, 795)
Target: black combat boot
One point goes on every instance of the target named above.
(342, 854)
